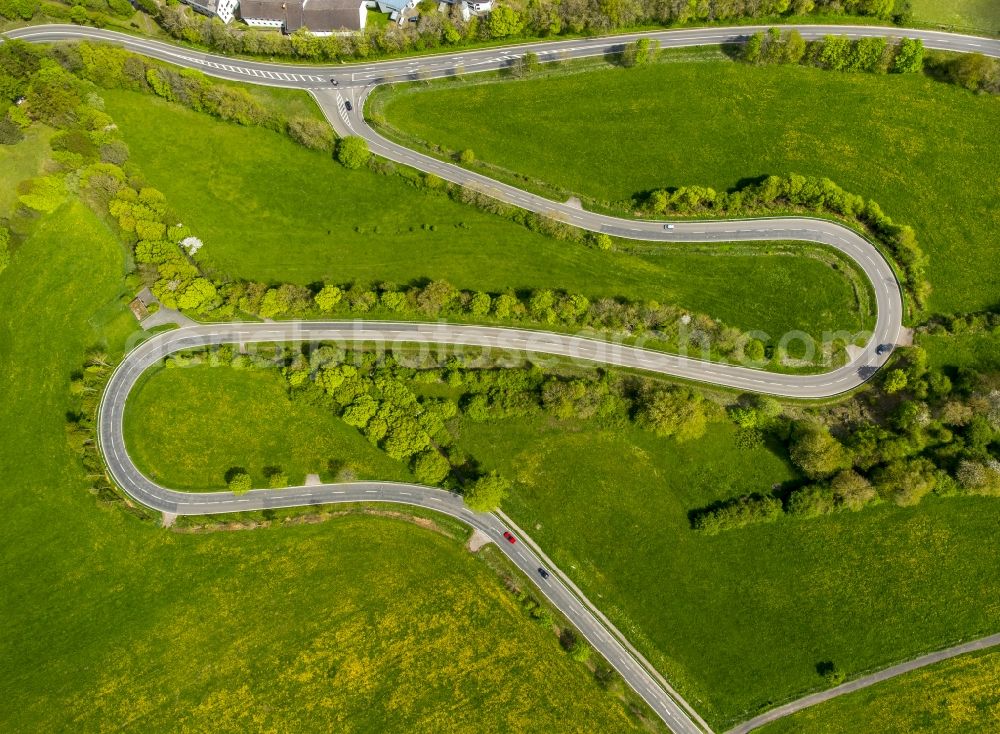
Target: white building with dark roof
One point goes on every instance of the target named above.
(321, 17)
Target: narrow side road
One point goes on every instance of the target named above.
(864, 682)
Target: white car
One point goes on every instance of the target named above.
(668, 226)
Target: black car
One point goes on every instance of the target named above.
(347, 105)
(334, 82)
(883, 349)
(543, 573)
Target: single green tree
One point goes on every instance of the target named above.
(239, 482)
(487, 493)
(352, 152)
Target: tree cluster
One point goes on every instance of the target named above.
(836, 53)
(936, 434)
(975, 72)
(802, 193)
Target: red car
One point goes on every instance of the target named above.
(510, 538)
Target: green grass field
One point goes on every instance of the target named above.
(956, 696)
(22, 161)
(980, 352)
(287, 213)
(110, 623)
(184, 447)
(968, 15)
(737, 622)
(924, 150)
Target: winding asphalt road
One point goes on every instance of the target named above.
(356, 81)
(603, 636)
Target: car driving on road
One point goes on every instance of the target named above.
(347, 105)
(543, 573)
(510, 538)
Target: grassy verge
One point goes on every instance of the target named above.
(361, 624)
(288, 214)
(953, 697)
(979, 352)
(715, 123)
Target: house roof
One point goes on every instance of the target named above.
(283, 10)
(205, 6)
(321, 16)
(324, 16)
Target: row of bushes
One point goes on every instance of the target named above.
(975, 71)
(802, 193)
(86, 386)
(836, 53)
(983, 322)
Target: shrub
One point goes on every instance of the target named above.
(736, 513)
(4, 248)
(311, 133)
(238, 482)
(10, 132)
(430, 467)
(816, 452)
(811, 501)
(353, 153)
(486, 494)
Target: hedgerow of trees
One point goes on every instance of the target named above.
(509, 19)
(836, 53)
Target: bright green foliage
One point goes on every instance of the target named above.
(238, 482)
(328, 297)
(737, 513)
(673, 411)
(812, 500)
(906, 482)
(430, 467)
(43, 194)
(503, 21)
(312, 133)
(199, 295)
(909, 56)
(4, 248)
(352, 152)
(18, 9)
(895, 380)
(487, 493)
(816, 452)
